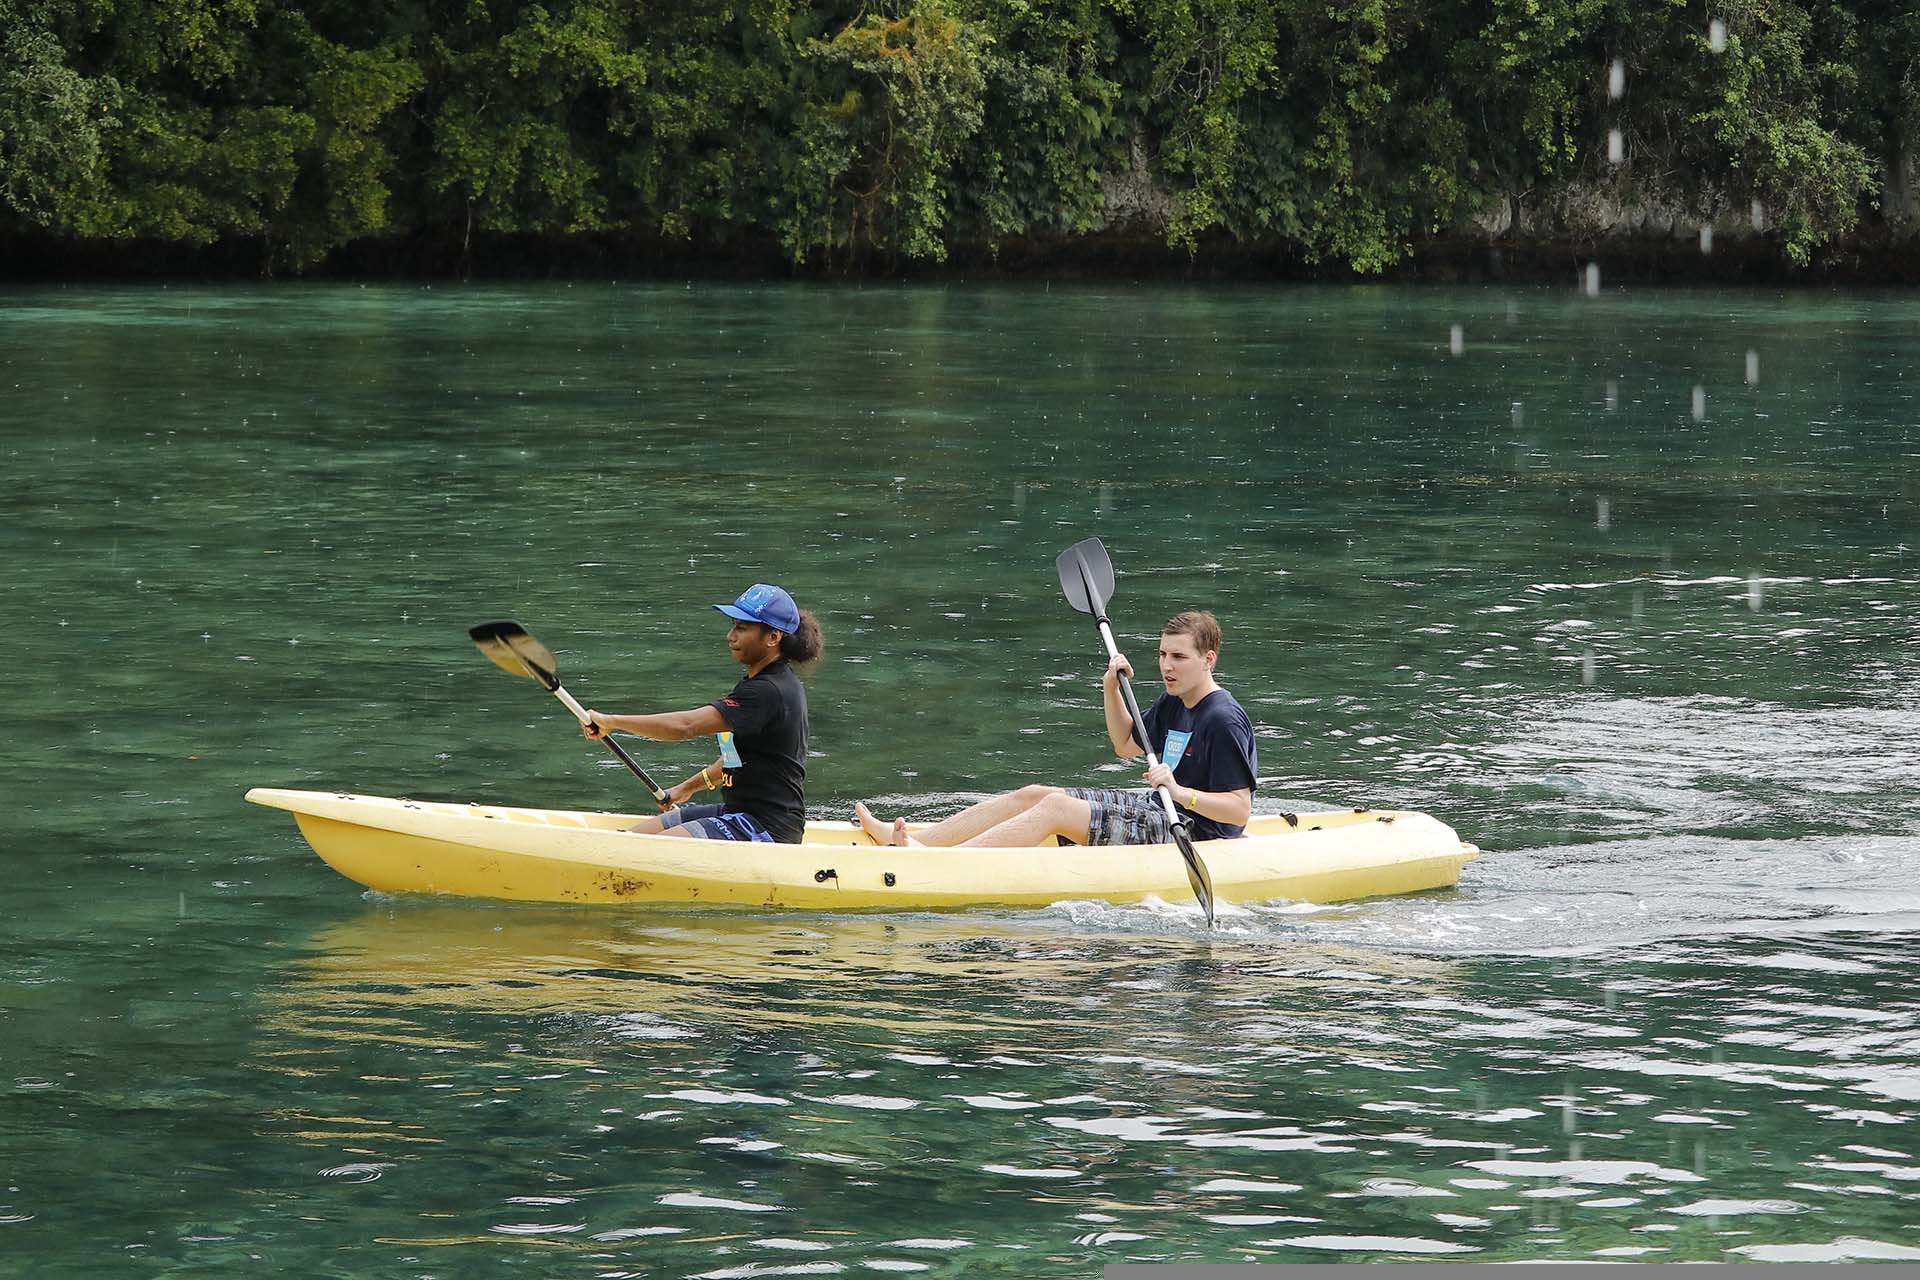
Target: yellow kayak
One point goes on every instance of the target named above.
(555, 855)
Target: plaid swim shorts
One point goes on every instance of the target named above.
(1124, 817)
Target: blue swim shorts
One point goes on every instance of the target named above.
(712, 822)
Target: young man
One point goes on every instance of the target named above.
(1207, 756)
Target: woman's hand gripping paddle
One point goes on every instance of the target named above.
(511, 649)
(1086, 576)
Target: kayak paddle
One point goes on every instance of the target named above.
(1086, 576)
(513, 650)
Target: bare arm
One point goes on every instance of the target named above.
(709, 777)
(664, 726)
(1228, 808)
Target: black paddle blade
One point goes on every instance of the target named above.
(1196, 871)
(1086, 576)
(509, 647)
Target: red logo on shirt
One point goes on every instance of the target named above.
(729, 702)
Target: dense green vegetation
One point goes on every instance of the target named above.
(1342, 132)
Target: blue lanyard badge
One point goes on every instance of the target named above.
(729, 754)
(1176, 747)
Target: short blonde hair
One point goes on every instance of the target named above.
(1202, 626)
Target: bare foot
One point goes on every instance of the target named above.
(878, 831)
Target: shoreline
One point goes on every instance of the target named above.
(1871, 259)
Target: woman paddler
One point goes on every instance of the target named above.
(761, 771)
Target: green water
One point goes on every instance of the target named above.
(1621, 589)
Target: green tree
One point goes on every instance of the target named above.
(54, 129)
(1048, 132)
(526, 110)
(891, 103)
(1207, 65)
(1761, 118)
(710, 135)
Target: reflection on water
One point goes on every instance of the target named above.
(1649, 647)
(1091, 1098)
(1025, 977)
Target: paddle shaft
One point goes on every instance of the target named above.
(1086, 575)
(509, 646)
(1139, 721)
(580, 713)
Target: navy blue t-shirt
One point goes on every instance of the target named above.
(1220, 756)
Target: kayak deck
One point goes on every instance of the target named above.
(556, 855)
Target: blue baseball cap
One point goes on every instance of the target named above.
(767, 605)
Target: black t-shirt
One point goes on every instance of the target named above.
(1219, 756)
(768, 716)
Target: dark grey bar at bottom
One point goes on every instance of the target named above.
(1508, 1270)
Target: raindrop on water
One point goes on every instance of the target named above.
(1602, 513)
(1753, 367)
(1591, 280)
(1456, 340)
(1699, 404)
(1756, 592)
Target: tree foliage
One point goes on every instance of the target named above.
(1335, 131)
(892, 103)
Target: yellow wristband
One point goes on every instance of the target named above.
(706, 783)
(1193, 798)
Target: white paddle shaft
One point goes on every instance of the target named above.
(579, 712)
(1165, 794)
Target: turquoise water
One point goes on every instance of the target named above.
(1621, 590)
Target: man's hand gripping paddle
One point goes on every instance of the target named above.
(511, 649)
(1086, 576)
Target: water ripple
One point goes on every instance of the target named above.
(367, 1172)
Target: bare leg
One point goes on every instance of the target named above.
(963, 826)
(1057, 814)
(657, 826)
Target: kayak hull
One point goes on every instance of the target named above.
(552, 855)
